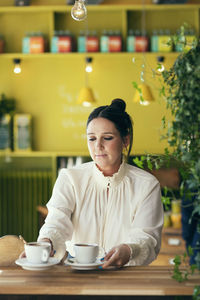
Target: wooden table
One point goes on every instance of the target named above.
(148, 281)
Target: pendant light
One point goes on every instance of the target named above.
(17, 65)
(86, 95)
(143, 94)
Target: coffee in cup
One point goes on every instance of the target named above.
(86, 253)
(37, 252)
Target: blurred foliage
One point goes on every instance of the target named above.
(7, 105)
(181, 93)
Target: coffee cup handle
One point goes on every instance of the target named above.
(45, 255)
(102, 252)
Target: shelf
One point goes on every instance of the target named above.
(102, 7)
(87, 54)
(43, 154)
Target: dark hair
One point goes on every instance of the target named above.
(115, 112)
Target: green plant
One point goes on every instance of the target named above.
(196, 293)
(181, 91)
(150, 162)
(183, 133)
(7, 106)
(182, 261)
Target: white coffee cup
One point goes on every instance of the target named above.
(37, 252)
(87, 253)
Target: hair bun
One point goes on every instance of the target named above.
(118, 104)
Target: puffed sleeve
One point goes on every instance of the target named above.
(58, 226)
(146, 228)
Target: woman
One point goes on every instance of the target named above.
(107, 201)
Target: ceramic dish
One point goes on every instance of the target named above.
(77, 266)
(23, 262)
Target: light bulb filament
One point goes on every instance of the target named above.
(88, 68)
(17, 69)
(79, 11)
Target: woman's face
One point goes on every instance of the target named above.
(105, 145)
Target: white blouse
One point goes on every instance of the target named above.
(82, 211)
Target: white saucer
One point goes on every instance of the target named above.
(23, 262)
(77, 266)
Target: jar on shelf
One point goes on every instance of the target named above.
(154, 41)
(5, 132)
(33, 42)
(115, 41)
(164, 38)
(176, 206)
(167, 219)
(22, 132)
(92, 42)
(187, 41)
(130, 42)
(176, 220)
(81, 43)
(61, 42)
(88, 41)
(104, 41)
(141, 41)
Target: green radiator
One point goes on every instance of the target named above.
(20, 193)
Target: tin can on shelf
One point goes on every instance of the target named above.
(33, 43)
(22, 132)
(176, 206)
(176, 220)
(88, 42)
(167, 219)
(61, 42)
(5, 132)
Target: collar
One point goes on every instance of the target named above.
(111, 181)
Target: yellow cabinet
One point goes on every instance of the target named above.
(49, 84)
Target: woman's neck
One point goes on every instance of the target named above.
(110, 171)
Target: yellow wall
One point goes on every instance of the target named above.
(48, 89)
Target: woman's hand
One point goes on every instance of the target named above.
(117, 256)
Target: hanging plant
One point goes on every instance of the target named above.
(182, 96)
(181, 91)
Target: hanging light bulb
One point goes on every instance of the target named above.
(79, 11)
(17, 67)
(88, 67)
(86, 95)
(161, 68)
(160, 60)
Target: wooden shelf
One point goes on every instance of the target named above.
(102, 7)
(43, 154)
(74, 55)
